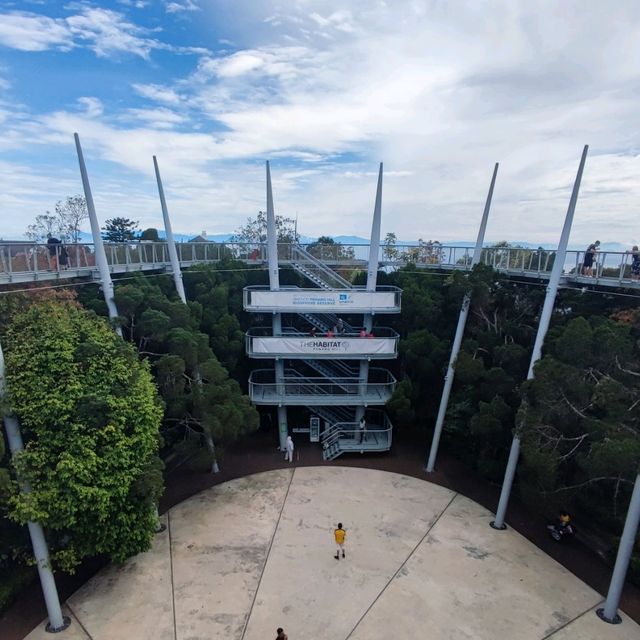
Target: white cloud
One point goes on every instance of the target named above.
(105, 32)
(31, 32)
(108, 32)
(439, 91)
(156, 118)
(138, 4)
(157, 93)
(179, 7)
(239, 64)
(93, 106)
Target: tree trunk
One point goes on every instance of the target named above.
(212, 450)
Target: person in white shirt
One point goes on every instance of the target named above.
(289, 449)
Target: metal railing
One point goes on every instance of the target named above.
(326, 321)
(374, 436)
(30, 261)
(317, 271)
(263, 386)
(333, 414)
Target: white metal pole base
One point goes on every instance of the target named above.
(615, 620)
(66, 622)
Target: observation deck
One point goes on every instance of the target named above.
(297, 390)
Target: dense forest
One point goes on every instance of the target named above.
(579, 419)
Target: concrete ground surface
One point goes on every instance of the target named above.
(245, 557)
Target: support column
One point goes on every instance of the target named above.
(372, 281)
(543, 325)
(457, 340)
(274, 285)
(609, 613)
(171, 243)
(101, 256)
(57, 622)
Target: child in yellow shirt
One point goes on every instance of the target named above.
(339, 534)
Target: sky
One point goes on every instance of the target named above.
(436, 90)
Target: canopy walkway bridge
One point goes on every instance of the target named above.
(25, 262)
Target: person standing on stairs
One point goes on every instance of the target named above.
(362, 428)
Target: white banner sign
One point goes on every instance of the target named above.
(338, 347)
(341, 301)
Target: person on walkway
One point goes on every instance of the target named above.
(63, 258)
(635, 263)
(362, 429)
(589, 256)
(281, 634)
(288, 456)
(339, 534)
(52, 244)
(340, 326)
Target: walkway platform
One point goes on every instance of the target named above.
(22, 262)
(245, 557)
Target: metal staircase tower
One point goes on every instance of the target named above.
(319, 374)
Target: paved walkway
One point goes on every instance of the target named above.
(247, 556)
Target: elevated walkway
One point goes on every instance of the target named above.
(22, 262)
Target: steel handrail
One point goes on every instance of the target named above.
(309, 259)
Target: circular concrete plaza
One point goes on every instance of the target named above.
(248, 556)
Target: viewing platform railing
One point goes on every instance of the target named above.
(307, 391)
(28, 262)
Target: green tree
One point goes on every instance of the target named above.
(120, 230)
(187, 346)
(90, 416)
(255, 230)
(580, 422)
(150, 235)
(390, 251)
(327, 248)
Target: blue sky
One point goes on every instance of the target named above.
(437, 90)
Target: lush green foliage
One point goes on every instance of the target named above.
(150, 235)
(580, 419)
(90, 417)
(120, 230)
(189, 347)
